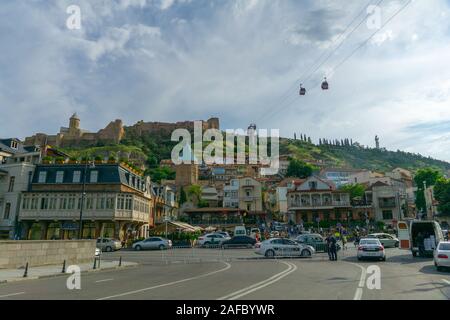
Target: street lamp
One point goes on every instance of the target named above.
(83, 194)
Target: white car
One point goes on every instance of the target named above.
(283, 247)
(211, 239)
(441, 255)
(371, 248)
(153, 243)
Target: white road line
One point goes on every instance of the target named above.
(11, 294)
(362, 281)
(104, 280)
(254, 287)
(446, 281)
(228, 266)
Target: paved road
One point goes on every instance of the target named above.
(215, 274)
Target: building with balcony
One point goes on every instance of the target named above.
(165, 204)
(117, 202)
(231, 194)
(315, 198)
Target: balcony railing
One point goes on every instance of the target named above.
(320, 204)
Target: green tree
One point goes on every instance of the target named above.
(195, 193)
(162, 173)
(442, 195)
(355, 190)
(299, 169)
(183, 197)
(430, 176)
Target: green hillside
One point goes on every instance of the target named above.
(149, 150)
(356, 156)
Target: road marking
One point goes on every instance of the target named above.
(11, 294)
(104, 280)
(228, 266)
(245, 291)
(446, 281)
(362, 281)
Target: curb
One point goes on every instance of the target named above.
(55, 275)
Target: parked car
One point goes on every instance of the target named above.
(224, 233)
(283, 247)
(254, 232)
(387, 240)
(108, 244)
(371, 248)
(156, 243)
(441, 255)
(239, 241)
(315, 240)
(211, 239)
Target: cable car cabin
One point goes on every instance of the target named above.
(302, 91)
(325, 84)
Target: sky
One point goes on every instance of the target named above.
(239, 60)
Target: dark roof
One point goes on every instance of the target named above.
(5, 145)
(107, 174)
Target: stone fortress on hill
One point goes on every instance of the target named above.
(114, 132)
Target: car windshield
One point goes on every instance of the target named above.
(369, 242)
(444, 246)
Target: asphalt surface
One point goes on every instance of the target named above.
(210, 274)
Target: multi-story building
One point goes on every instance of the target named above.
(14, 178)
(117, 202)
(231, 194)
(250, 195)
(388, 202)
(165, 204)
(315, 199)
(339, 176)
(13, 151)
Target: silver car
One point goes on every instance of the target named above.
(108, 244)
(155, 243)
(371, 248)
(284, 248)
(387, 240)
(441, 255)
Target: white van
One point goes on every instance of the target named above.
(408, 234)
(240, 231)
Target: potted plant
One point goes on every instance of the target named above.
(112, 160)
(73, 160)
(47, 160)
(60, 160)
(98, 160)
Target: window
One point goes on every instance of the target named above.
(44, 203)
(42, 177)
(110, 203)
(71, 202)
(59, 176)
(11, 184)
(76, 176)
(63, 203)
(94, 176)
(387, 214)
(7, 211)
(313, 185)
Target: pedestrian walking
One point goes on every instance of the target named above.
(344, 242)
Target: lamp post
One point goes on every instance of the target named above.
(83, 194)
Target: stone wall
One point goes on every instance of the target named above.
(15, 254)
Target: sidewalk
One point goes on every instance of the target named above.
(12, 275)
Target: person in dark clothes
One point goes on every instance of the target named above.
(328, 241)
(333, 248)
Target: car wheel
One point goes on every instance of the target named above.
(397, 244)
(138, 248)
(270, 254)
(161, 247)
(414, 254)
(207, 244)
(383, 259)
(108, 249)
(306, 253)
(438, 268)
(359, 258)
